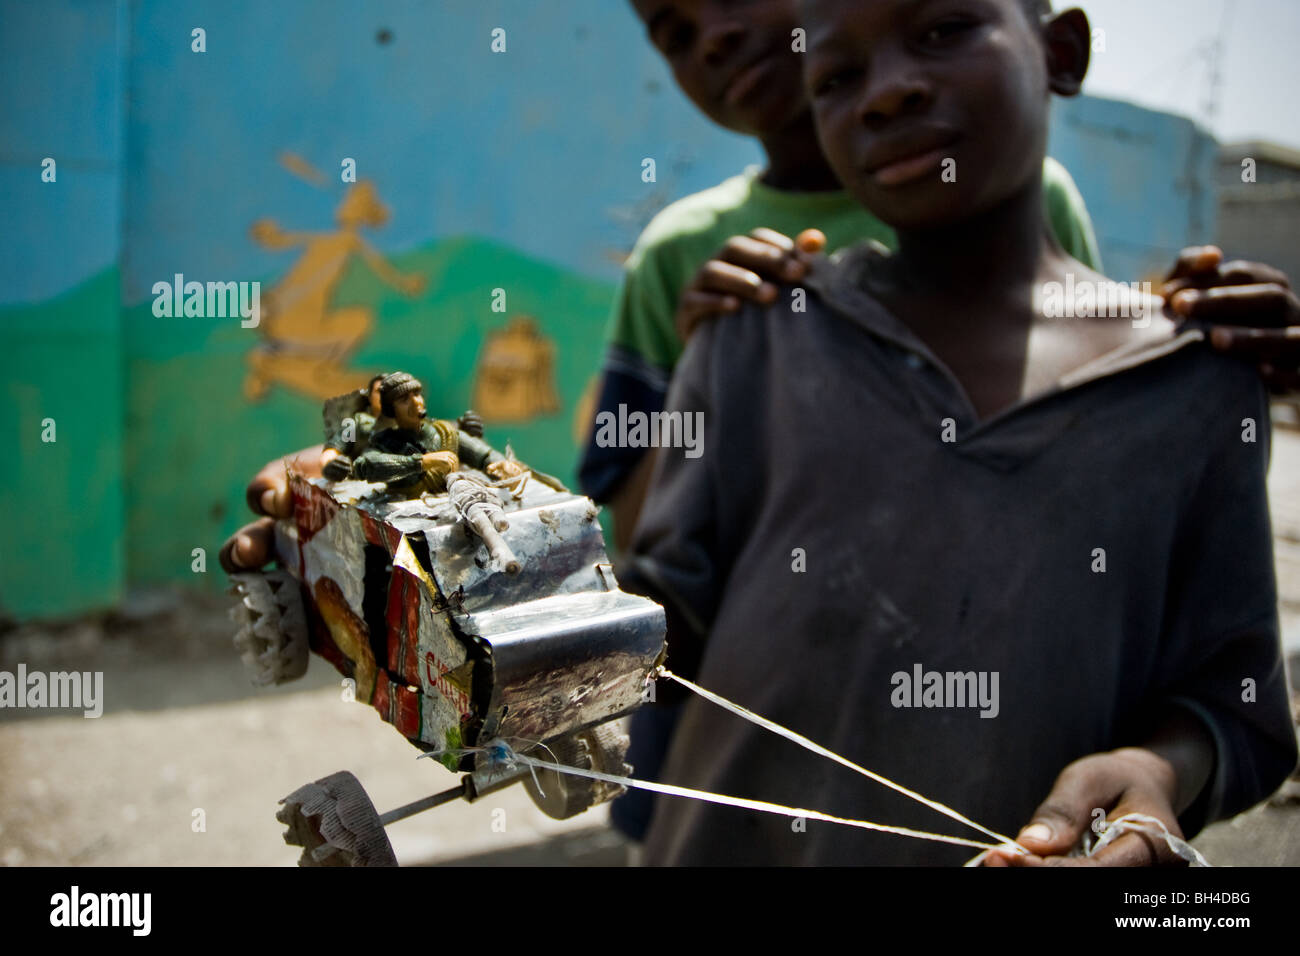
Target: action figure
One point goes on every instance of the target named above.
(351, 420)
(414, 456)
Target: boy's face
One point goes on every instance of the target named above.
(905, 90)
(733, 58)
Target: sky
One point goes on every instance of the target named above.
(1156, 54)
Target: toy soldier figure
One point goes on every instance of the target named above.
(350, 421)
(414, 456)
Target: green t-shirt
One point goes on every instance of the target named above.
(689, 232)
(642, 344)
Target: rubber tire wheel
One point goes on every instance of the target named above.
(601, 748)
(336, 824)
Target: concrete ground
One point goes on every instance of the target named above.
(188, 762)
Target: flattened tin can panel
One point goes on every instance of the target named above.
(569, 661)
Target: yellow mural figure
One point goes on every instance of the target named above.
(515, 380)
(307, 341)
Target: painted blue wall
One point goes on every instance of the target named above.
(1147, 177)
(62, 69)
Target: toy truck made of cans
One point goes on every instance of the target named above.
(488, 612)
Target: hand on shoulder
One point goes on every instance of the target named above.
(746, 269)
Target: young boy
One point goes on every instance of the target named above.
(741, 67)
(922, 475)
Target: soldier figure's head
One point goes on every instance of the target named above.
(401, 397)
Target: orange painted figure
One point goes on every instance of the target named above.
(307, 341)
(516, 373)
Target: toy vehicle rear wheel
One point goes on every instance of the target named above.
(272, 634)
(336, 824)
(600, 748)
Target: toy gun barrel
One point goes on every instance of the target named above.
(481, 509)
(486, 528)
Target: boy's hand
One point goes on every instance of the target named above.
(1255, 314)
(1129, 780)
(253, 545)
(746, 269)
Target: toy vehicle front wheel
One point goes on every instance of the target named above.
(336, 824)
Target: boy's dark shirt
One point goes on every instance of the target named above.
(822, 432)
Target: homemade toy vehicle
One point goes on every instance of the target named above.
(486, 613)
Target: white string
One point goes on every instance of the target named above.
(743, 803)
(1129, 823)
(1151, 826)
(804, 742)
(1004, 843)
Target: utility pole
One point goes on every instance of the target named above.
(1214, 68)
(1209, 113)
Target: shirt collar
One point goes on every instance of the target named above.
(838, 280)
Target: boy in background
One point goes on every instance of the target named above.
(952, 465)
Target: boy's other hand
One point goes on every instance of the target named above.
(746, 269)
(249, 548)
(1129, 780)
(267, 494)
(1254, 313)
